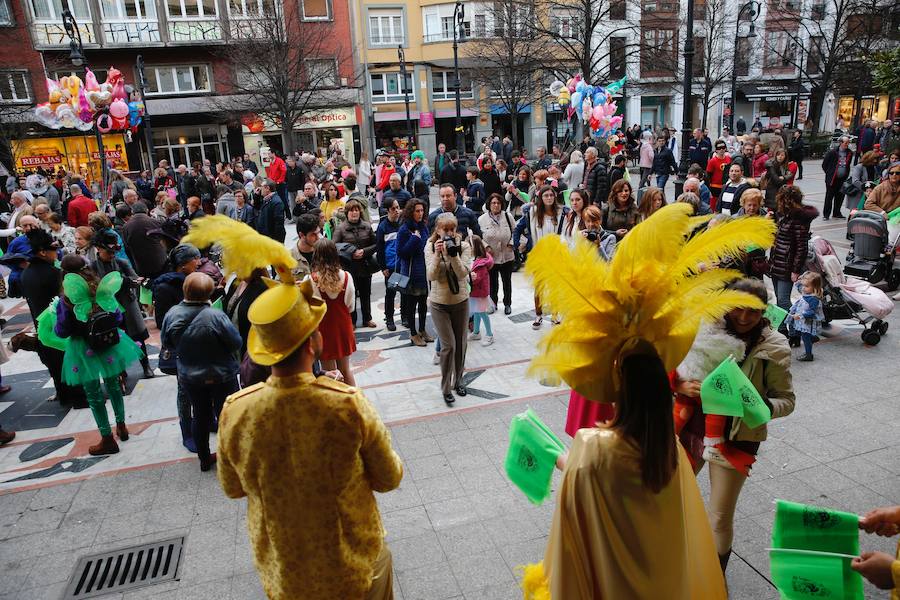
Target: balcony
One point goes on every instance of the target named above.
(130, 31)
(50, 34)
(195, 29)
(251, 28)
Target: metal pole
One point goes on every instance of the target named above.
(686, 116)
(458, 16)
(753, 14)
(796, 116)
(409, 131)
(148, 132)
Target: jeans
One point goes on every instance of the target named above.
(661, 181)
(783, 289)
(363, 283)
(834, 198)
(98, 403)
(184, 405)
(291, 202)
(207, 401)
(502, 272)
(389, 296)
(485, 318)
(807, 342)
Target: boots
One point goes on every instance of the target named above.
(424, 335)
(6, 437)
(107, 445)
(122, 432)
(206, 465)
(187, 439)
(723, 560)
(148, 372)
(417, 340)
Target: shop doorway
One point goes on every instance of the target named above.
(445, 132)
(502, 126)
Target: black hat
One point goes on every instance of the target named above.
(40, 240)
(106, 240)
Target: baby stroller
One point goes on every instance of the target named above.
(848, 298)
(871, 255)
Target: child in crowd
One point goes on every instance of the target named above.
(806, 315)
(480, 303)
(474, 193)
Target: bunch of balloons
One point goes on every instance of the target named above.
(593, 104)
(77, 104)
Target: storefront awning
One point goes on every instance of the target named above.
(771, 92)
(500, 109)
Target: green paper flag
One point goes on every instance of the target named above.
(806, 527)
(775, 314)
(146, 296)
(218, 304)
(566, 197)
(727, 391)
(525, 197)
(806, 575)
(327, 229)
(531, 457)
(894, 215)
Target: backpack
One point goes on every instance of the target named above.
(102, 331)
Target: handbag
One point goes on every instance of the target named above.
(400, 282)
(850, 188)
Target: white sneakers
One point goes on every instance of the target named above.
(488, 340)
(436, 360)
(474, 336)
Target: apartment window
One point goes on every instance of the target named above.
(658, 51)
(780, 49)
(386, 27)
(479, 25)
(181, 79)
(617, 59)
(442, 86)
(316, 10)
(128, 9)
(565, 26)
(744, 50)
(6, 18)
(700, 10)
(512, 18)
(699, 62)
(814, 61)
(51, 10)
(191, 9)
(818, 11)
(251, 9)
(14, 87)
(322, 73)
(388, 87)
(617, 10)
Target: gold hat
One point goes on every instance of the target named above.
(282, 318)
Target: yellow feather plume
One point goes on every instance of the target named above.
(243, 249)
(534, 582)
(653, 289)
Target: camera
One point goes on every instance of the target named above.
(451, 245)
(592, 235)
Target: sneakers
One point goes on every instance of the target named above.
(805, 358)
(488, 340)
(537, 322)
(436, 359)
(474, 336)
(417, 340)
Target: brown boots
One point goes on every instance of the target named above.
(122, 431)
(417, 340)
(6, 437)
(107, 445)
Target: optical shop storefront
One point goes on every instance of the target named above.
(773, 103)
(868, 107)
(320, 131)
(75, 154)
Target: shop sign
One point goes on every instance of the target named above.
(77, 154)
(426, 119)
(317, 119)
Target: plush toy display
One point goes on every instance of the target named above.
(77, 104)
(592, 104)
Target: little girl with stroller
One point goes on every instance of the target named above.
(480, 303)
(806, 315)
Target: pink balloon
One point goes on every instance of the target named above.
(90, 82)
(84, 108)
(598, 112)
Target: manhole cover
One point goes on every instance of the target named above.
(125, 569)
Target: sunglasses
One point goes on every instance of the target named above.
(894, 173)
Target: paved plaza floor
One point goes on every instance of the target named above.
(456, 526)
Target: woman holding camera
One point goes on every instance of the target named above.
(447, 259)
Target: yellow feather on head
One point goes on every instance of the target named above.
(243, 249)
(652, 289)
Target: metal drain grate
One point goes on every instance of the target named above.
(125, 569)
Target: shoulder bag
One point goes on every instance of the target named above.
(400, 282)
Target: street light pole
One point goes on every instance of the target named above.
(686, 117)
(409, 131)
(754, 12)
(796, 116)
(459, 35)
(76, 55)
(148, 132)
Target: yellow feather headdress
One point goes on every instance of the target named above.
(243, 249)
(652, 289)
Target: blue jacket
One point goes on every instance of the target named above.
(270, 218)
(465, 220)
(386, 244)
(411, 253)
(206, 340)
(699, 151)
(19, 245)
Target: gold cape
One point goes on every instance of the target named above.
(613, 539)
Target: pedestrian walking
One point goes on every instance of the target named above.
(788, 254)
(836, 163)
(797, 151)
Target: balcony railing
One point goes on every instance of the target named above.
(127, 31)
(53, 34)
(194, 29)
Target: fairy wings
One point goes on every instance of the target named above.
(652, 289)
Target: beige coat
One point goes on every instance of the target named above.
(438, 268)
(498, 235)
(885, 196)
(768, 366)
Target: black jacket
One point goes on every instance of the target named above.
(797, 150)
(455, 173)
(830, 164)
(294, 178)
(664, 162)
(270, 220)
(40, 283)
(237, 310)
(491, 182)
(597, 181)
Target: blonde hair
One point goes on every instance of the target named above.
(443, 220)
(814, 280)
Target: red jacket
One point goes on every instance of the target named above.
(277, 170)
(79, 209)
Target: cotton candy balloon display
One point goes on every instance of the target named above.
(591, 104)
(77, 104)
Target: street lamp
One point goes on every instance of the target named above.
(148, 132)
(459, 35)
(752, 9)
(76, 55)
(409, 131)
(686, 124)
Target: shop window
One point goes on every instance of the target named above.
(442, 86)
(617, 58)
(387, 87)
(181, 79)
(322, 73)
(51, 10)
(14, 87)
(386, 27)
(316, 10)
(6, 16)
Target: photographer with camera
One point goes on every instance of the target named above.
(448, 259)
(594, 233)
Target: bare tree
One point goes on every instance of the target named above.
(714, 58)
(830, 43)
(283, 69)
(512, 63)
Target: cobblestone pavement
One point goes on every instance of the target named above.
(457, 528)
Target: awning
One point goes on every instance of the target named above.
(500, 109)
(771, 92)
